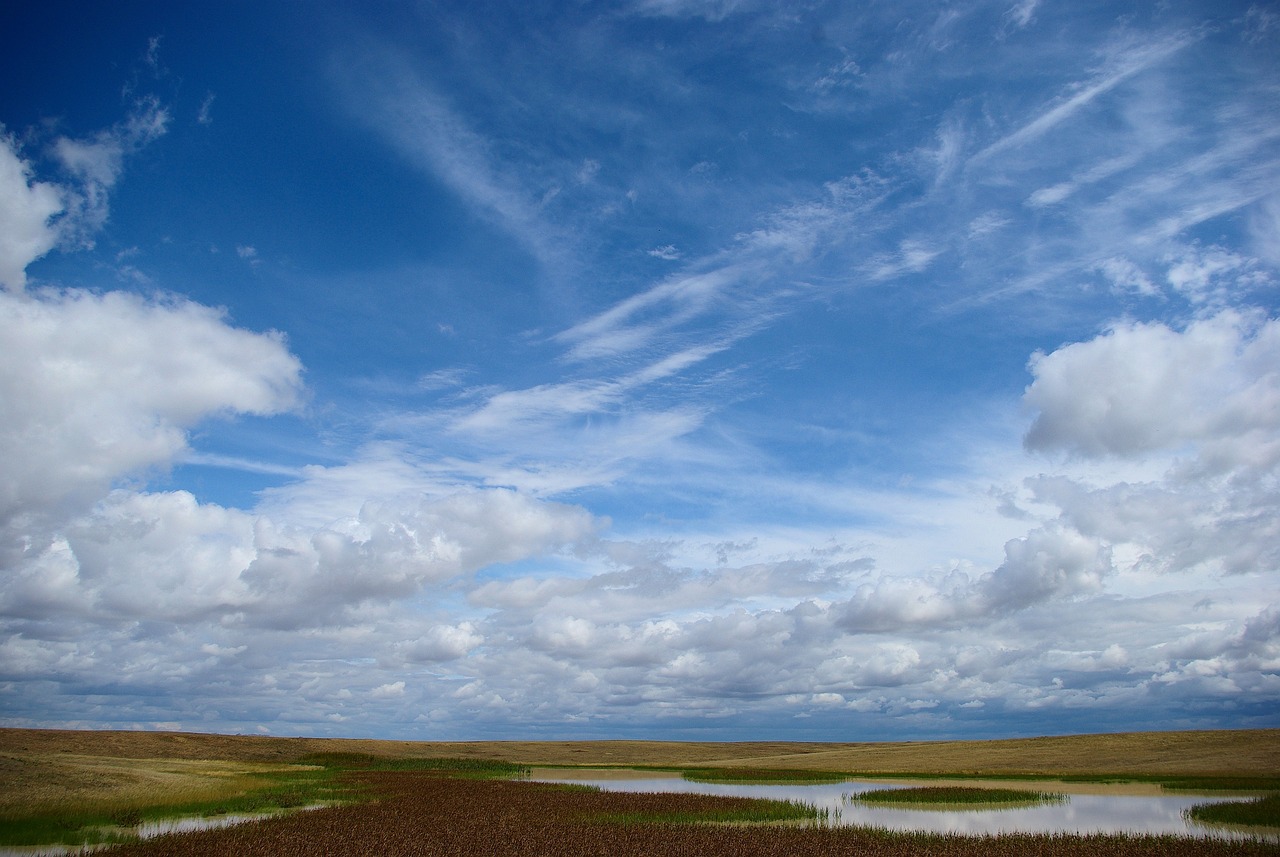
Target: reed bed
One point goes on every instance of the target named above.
(955, 796)
(1260, 812)
(422, 814)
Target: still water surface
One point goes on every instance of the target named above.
(1080, 813)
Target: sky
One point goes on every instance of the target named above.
(668, 369)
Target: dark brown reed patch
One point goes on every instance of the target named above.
(422, 814)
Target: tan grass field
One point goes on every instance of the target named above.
(51, 767)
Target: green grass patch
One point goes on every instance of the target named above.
(102, 823)
(762, 776)
(481, 768)
(1259, 812)
(927, 797)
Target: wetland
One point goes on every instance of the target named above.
(971, 807)
(394, 798)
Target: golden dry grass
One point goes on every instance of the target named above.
(47, 782)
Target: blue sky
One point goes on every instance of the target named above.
(652, 369)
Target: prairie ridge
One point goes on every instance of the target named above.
(1199, 753)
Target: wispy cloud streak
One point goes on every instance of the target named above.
(1131, 61)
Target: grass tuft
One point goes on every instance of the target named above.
(928, 797)
(1259, 812)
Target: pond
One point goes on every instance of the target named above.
(1089, 807)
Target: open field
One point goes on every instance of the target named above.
(33, 782)
(48, 772)
(1254, 752)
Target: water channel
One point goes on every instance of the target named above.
(1089, 807)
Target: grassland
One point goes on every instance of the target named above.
(95, 779)
(1253, 752)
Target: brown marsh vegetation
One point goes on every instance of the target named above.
(425, 815)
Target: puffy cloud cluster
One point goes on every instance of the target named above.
(1154, 594)
(1208, 399)
(1143, 387)
(423, 611)
(166, 557)
(99, 386)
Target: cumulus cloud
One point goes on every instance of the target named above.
(166, 557)
(27, 208)
(1144, 387)
(441, 643)
(1205, 402)
(99, 386)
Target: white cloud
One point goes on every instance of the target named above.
(166, 557)
(205, 116)
(391, 690)
(1144, 387)
(99, 386)
(1264, 229)
(419, 121)
(441, 643)
(1212, 276)
(635, 321)
(1092, 175)
(1125, 61)
(711, 10)
(1022, 13)
(1125, 276)
(1049, 562)
(1205, 403)
(96, 164)
(912, 257)
(27, 208)
(390, 551)
(37, 216)
(844, 73)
